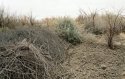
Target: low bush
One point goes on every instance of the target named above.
(95, 26)
(66, 30)
(92, 22)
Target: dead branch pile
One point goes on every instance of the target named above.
(37, 56)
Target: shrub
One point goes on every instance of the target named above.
(12, 21)
(6, 20)
(93, 22)
(66, 30)
(114, 27)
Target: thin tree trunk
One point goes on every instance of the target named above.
(110, 42)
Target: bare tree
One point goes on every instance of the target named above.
(113, 22)
(82, 17)
(87, 18)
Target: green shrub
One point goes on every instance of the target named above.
(66, 30)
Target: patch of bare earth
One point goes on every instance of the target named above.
(93, 61)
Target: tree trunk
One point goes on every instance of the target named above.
(110, 42)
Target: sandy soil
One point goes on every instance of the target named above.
(93, 61)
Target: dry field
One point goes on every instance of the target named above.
(91, 46)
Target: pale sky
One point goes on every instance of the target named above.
(48, 8)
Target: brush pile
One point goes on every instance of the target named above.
(31, 54)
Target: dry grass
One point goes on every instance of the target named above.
(12, 21)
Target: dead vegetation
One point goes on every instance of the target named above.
(29, 50)
(114, 27)
(35, 58)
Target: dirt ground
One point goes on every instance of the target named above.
(95, 61)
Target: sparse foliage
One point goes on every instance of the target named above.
(114, 27)
(90, 21)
